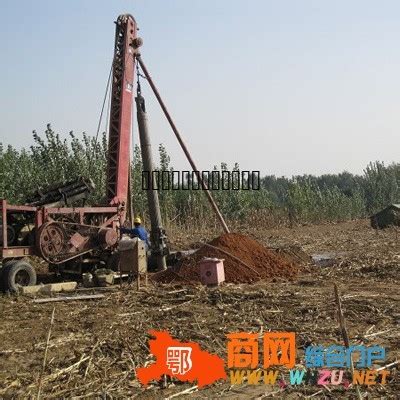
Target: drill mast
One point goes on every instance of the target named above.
(119, 141)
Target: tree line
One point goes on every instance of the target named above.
(280, 200)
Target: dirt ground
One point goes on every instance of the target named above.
(96, 345)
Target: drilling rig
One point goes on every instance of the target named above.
(76, 239)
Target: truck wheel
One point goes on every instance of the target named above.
(18, 273)
(6, 265)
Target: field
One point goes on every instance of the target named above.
(96, 345)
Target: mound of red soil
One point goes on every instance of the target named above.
(257, 263)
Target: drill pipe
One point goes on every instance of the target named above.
(157, 234)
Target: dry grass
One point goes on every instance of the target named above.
(95, 346)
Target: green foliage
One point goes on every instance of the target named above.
(51, 160)
(381, 185)
(306, 201)
(301, 199)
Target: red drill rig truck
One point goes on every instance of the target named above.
(74, 239)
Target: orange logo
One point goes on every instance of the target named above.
(279, 349)
(242, 350)
(182, 360)
(186, 362)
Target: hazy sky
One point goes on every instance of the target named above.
(284, 87)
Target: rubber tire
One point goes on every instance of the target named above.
(10, 271)
(4, 272)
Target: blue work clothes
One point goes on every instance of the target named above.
(138, 232)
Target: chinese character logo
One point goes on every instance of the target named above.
(242, 350)
(279, 349)
(339, 356)
(178, 360)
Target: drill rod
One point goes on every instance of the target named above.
(158, 237)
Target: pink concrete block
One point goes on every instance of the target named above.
(212, 271)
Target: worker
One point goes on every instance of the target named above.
(138, 231)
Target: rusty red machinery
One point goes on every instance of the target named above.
(75, 239)
(119, 140)
(72, 238)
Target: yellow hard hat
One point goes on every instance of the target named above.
(137, 220)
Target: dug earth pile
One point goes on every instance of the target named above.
(256, 262)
